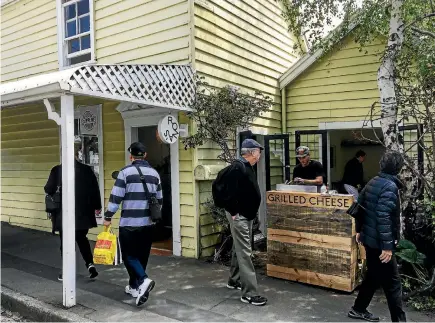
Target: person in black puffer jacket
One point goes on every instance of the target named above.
(379, 232)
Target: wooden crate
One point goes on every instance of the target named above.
(311, 239)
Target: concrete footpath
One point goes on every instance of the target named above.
(186, 290)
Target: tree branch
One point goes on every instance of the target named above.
(430, 15)
(423, 32)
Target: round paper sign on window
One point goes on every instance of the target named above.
(168, 130)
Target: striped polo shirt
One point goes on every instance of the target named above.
(129, 190)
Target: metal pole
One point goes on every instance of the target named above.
(68, 201)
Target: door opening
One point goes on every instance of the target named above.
(158, 156)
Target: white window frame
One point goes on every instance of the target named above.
(62, 41)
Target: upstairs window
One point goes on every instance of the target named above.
(76, 35)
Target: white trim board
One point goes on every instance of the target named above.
(150, 117)
(362, 124)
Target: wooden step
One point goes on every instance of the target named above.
(161, 252)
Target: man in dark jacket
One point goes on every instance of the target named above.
(242, 207)
(353, 177)
(87, 204)
(379, 232)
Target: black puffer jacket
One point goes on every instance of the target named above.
(381, 224)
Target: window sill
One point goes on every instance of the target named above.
(92, 62)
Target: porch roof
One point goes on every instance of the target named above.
(166, 86)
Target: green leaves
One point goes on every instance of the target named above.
(411, 256)
(406, 244)
(219, 112)
(408, 252)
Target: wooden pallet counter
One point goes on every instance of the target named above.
(311, 239)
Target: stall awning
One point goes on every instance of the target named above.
(166, 86)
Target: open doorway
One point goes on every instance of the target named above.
(343, 145)
(159, 157)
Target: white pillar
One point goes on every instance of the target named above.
(68, 201)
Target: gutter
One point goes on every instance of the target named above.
(283, 111)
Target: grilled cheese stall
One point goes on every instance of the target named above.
(311, 238)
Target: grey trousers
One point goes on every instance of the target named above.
(242, 268)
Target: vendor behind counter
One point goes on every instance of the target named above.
(308, 172)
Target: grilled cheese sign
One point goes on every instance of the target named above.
(309, 200)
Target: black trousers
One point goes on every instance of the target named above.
(136, 247)
(84, 246)
(381, 275)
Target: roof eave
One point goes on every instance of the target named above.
(47, 91)
(300, 66)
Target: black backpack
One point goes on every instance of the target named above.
(220, 185)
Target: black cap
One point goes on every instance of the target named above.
(137, 149)
(251, 143)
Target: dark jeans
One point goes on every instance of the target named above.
(136, 248)
(84, 246)
(385, 275)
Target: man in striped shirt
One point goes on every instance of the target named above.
(135, 225)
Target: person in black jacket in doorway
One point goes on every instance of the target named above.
(353, 177)
(87, 204)
(379, 232)
(242, 207)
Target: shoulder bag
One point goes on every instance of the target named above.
(154, 206)
(53, 203)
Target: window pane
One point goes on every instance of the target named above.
(86, 42)
(70, 11)
(71, 29)
(83, 7)
(80, 59)
(84, 24)
(73, 46)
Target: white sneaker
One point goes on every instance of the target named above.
(144, 291)
(131, 291)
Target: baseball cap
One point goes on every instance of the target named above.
(137, 149)
(302, 151)
(251, 143)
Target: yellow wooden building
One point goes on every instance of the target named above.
(327, 99)
(111, 64)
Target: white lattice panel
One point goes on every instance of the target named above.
(164, 84)
(171, 86)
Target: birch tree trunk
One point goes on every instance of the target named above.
(386, 80)
(388, 99)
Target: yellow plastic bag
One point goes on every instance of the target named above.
(107, 250)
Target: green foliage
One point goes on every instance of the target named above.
(406, 244)
(411, 256)
(219, 112)
(219, 216)
(423, 303)
(407, 251)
